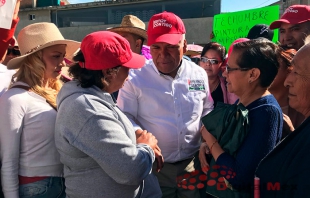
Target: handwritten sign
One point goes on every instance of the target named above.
(228, 27)
(7, 8)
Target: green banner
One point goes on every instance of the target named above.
(228, 27)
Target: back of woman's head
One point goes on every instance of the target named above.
(220, 49)
(86, 78)
(262, 54)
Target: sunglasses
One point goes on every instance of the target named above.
(229, 69)
(211, 61)
(14, 51)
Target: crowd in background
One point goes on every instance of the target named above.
(127, 112)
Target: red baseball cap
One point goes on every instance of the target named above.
(294, 14)
(165, 27)
(105, 50)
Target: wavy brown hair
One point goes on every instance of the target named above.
(286, 56)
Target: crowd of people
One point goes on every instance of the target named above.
(147, 122)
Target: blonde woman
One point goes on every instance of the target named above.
(30, 161)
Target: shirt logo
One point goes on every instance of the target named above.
(162, 23)
(291, 10)
(194, 85)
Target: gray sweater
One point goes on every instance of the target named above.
(97, 146)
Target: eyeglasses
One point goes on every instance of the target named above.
(229, 69)
(211, 61)
(14, 51)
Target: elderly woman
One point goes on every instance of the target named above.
(291, 117)
(31, 165)
(102, 155)
(212, 58)
(251, 68)
(284, 172)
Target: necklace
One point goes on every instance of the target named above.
(215, 86)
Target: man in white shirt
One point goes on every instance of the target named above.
(168, 97)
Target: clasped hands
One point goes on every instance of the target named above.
(144, 137)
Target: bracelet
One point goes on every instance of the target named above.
(212, 146)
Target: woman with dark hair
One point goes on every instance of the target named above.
(101, 153)
(251, 68)
(212, 58)
(291, 117)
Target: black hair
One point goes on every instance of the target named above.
(220, 49)
(86, 78)
(261, 54)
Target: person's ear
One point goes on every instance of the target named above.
(184, 46)
(139, 44)
(254, 75)
(220, 64)
(108, 75)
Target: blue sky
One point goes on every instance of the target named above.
(238, 5)
(227, 5)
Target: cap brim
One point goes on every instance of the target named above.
(172, 39)
(136, 62)
(72, 47)
(277, 24)
(132, 30)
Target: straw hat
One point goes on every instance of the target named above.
(38, 36)
(131, 24)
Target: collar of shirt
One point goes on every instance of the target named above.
(179, 73)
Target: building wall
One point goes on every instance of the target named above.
(292, 2)
(27, 4)
(42, 15)
(288, 3)
(198, 29)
